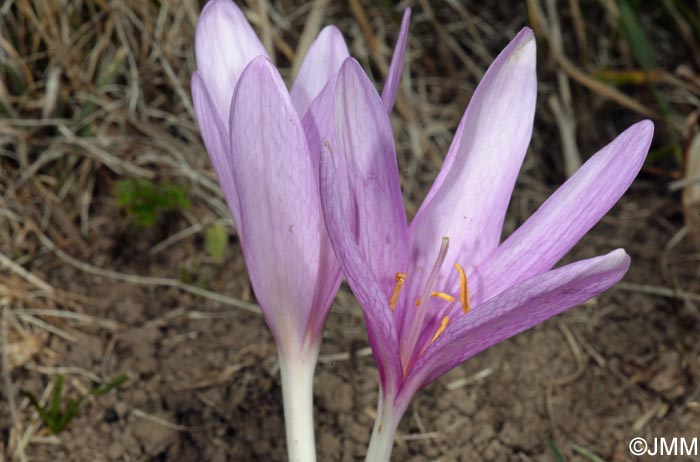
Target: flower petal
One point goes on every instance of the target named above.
(215, 137)
(281, 227)
(381, 329)
(322, 61)
(470, 196)
(517, 309)
(567, 215)
(224, 44)
(393, 78)
(365, 141)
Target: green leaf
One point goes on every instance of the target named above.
(112, 384)
(143, 200)
(642, 48)
(643, 52)
(216, 241)
(57, 420)
(70, 412)
(42, 412)
(56, 401)
(587, 453)
(556, 455)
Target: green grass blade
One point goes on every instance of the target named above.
(71, 411)
(35, 403)
(216, 241)
(587, 453)
(56, 401)
(556, 455)
(112, 384)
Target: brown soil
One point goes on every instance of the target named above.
(204, 384)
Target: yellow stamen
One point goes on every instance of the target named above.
(463, 288)
(442, 328)
(400, 278)
(443, 296)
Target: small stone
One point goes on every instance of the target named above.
(336, 395)
(110, 415)
(115, 451)
(154, 437)
(121, 409)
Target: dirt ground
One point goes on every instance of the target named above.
(96, 92)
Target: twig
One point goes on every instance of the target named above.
(266, 30)
(311, 28)
(113, 162)
(185, 233)
(8, 389)
(26, 275)
(658, 291)
(561, 104)
(159, 421)
(147, 280)
(478, 377)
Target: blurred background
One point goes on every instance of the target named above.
(129, 330)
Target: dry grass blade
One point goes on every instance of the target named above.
(311, 28)
(562, 104)
(603, 89)
(29, 277)
(148, 280)
(95, 93)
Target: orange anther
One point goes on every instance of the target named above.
(443, 296)
(400, 278)
(441, 329)
(463, 288)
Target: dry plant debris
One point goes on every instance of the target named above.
(97, 92)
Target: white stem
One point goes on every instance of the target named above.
(297, 395)
(382, 441)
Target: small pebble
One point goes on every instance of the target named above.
(110, 415)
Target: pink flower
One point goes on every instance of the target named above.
(444, 288)
(267, 164)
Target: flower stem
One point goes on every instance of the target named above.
(382, 441)
(297, 395)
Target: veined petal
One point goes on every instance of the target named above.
(280, 227)
(381, 329)
(393, 78)
(319, 126)
(224, 44)
(323, 60)
(366, 143)
(517, 309)
(215, 137)
(469, 199)
(567, 215)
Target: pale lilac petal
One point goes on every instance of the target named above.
(322, 62)
(224, 45)
(469, 199)
(319, 125)
(365, 141)
(381, 330)
(517, 309)
(280, 227)
(567, 215)
(215, 137)
(393, 78)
